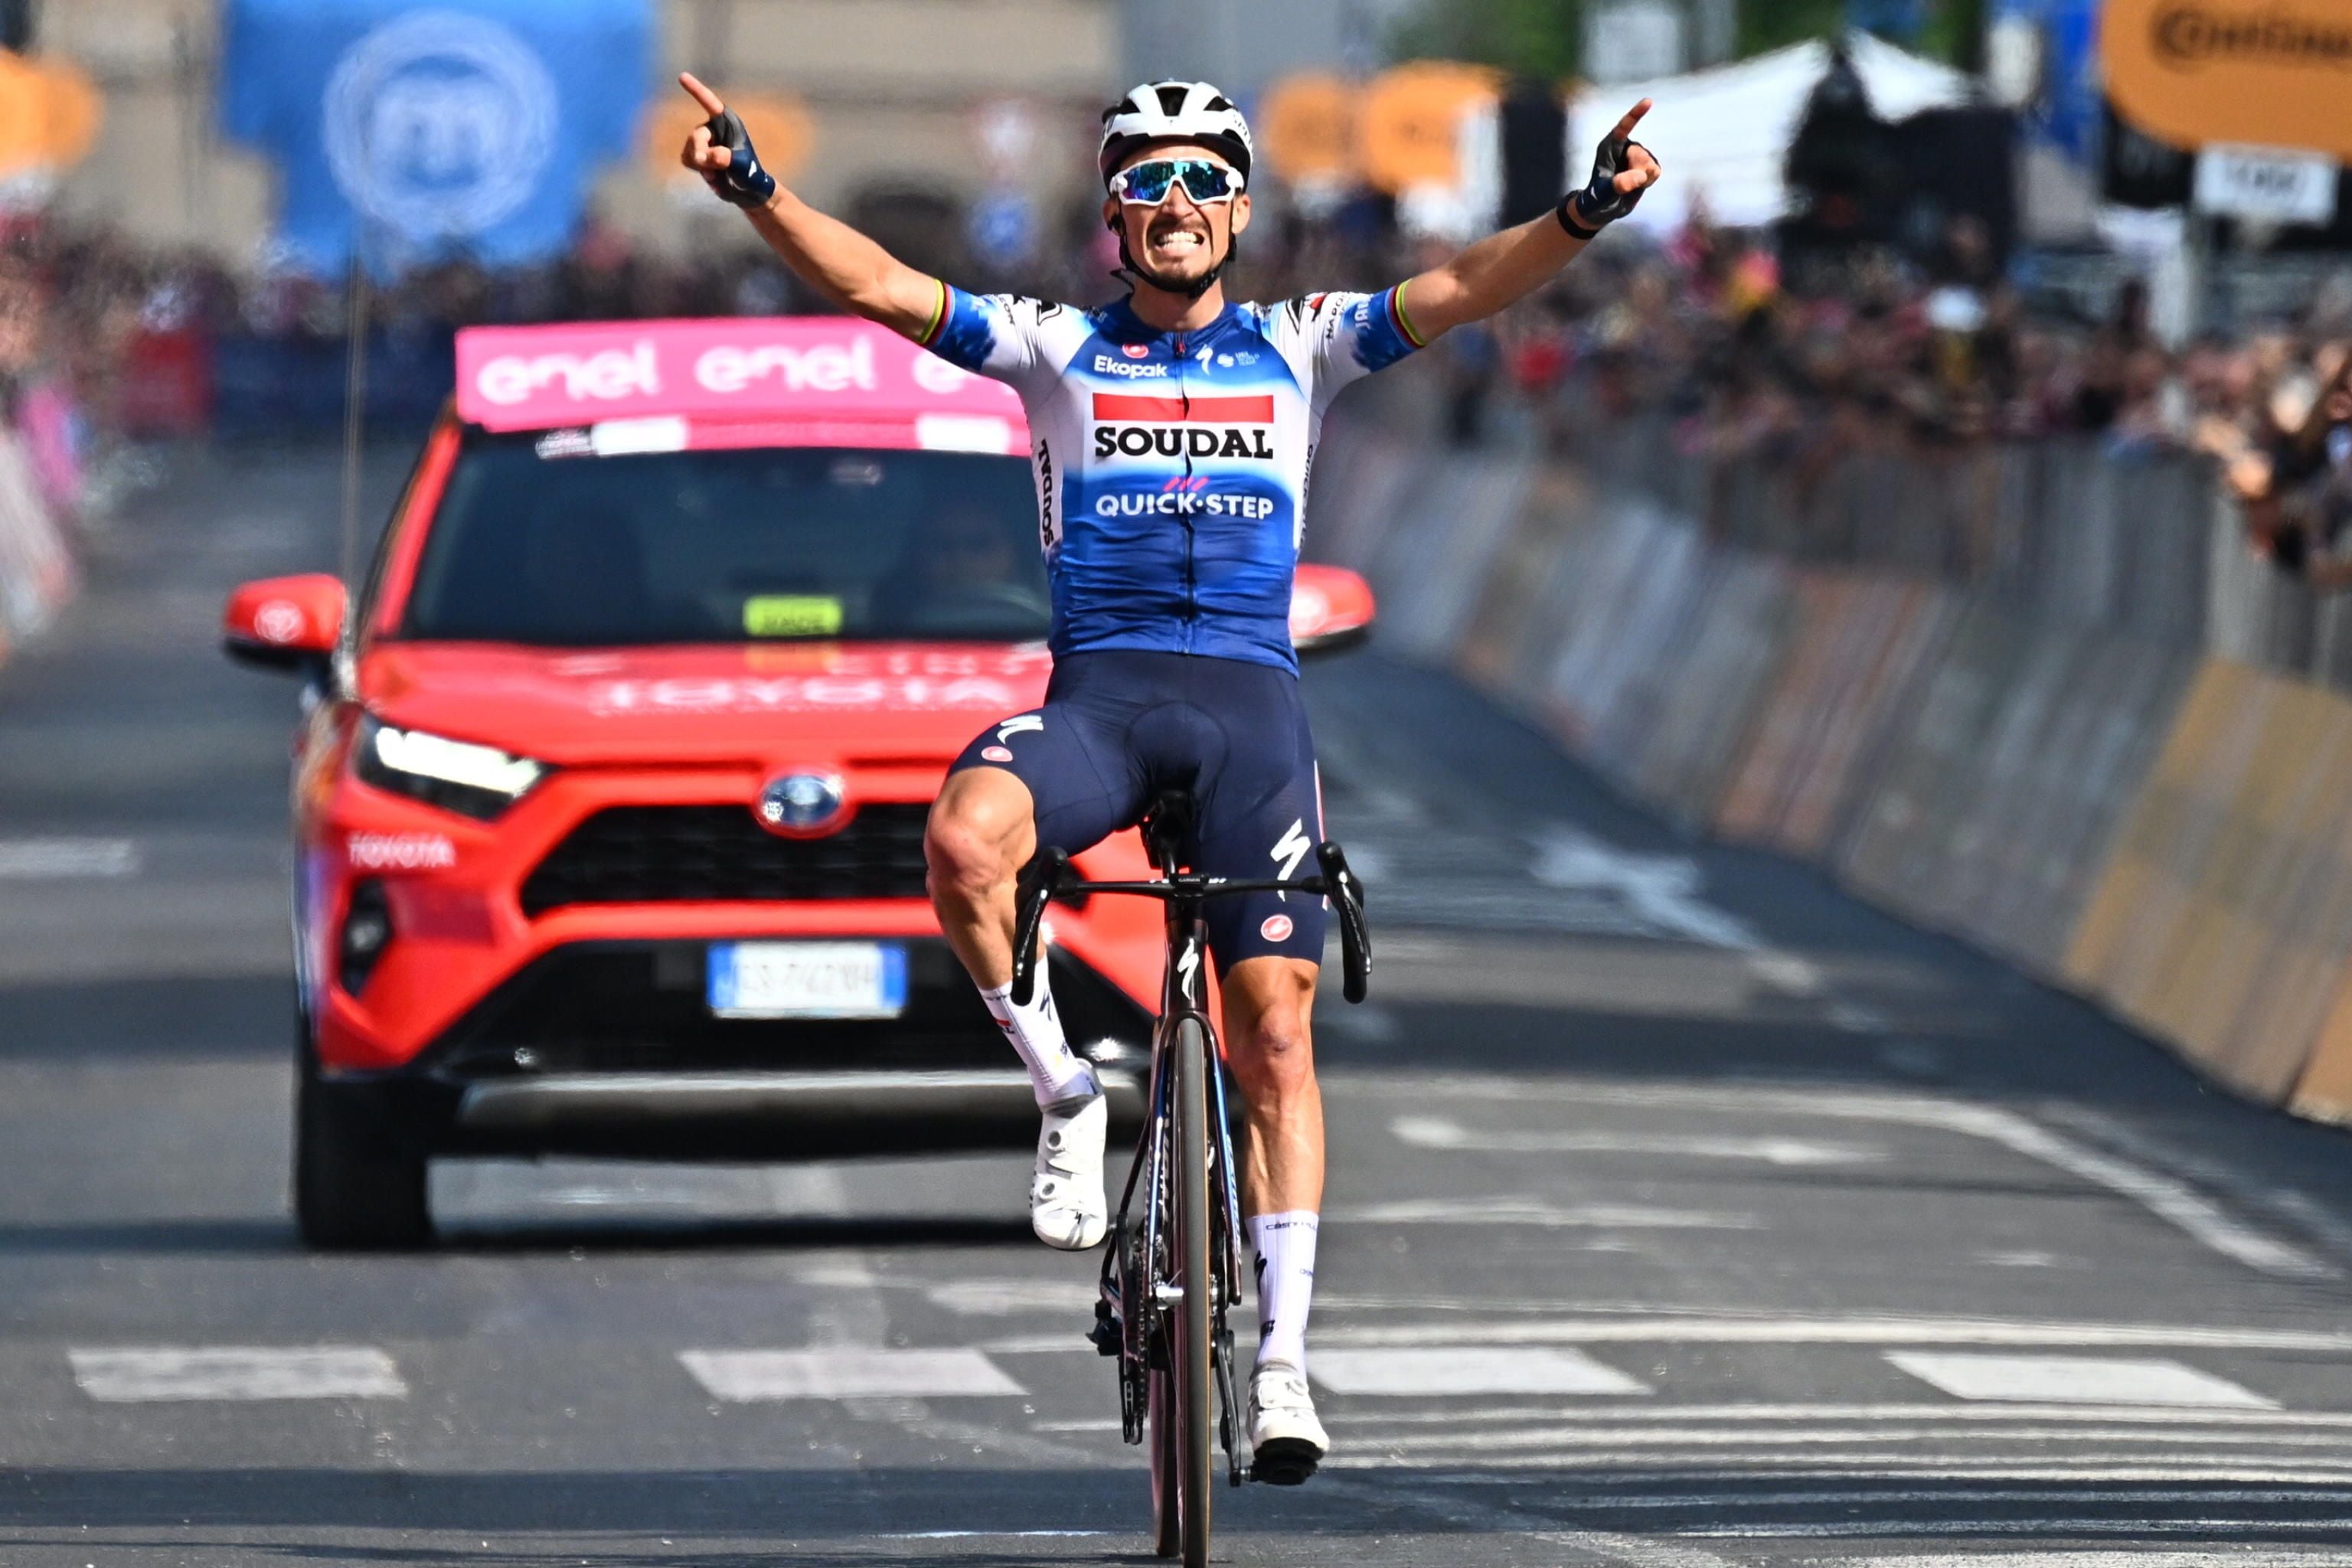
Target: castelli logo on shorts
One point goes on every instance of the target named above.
(1278, 928)
(995, 754)
(1136, 351)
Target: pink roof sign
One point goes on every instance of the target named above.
(777, 371)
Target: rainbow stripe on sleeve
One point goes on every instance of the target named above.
(939, 317)
(1398, 318)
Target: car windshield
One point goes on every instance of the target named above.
(758, 544)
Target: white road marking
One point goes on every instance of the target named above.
(2174, 1202)
(1439, 1132)
(1706, 1329)
(1464, 1369)
(1852, 1018)
(1663, 889)
(744, 1376)
(1673, 1467)
(1787, 972)
(1873, 1470)
(55, 859)
(224, 1371)
(1998, 1527)
(1366, 1021)
(1535, 1212)
(2129, 1559)
(988, 1534)
(1623, 1440)
(1957, 1416)
(2075, 1380)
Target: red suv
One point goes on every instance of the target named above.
(609, 803)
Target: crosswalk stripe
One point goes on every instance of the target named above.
(1462, 1369)
(224, 1372)
(2075, 1380)
(1672, 1467)
(1957, 1415)
(744, 1376)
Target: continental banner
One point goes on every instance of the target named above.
(2268, 73)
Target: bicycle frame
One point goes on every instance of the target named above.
(1142, 1285)
(1183, 999)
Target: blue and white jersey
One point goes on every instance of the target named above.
(1171, 466)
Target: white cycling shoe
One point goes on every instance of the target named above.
(1287, 1442)
(1066, 1195)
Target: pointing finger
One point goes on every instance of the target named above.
(1633, 118)
(701, 94)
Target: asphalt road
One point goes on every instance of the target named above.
(1683, 1212)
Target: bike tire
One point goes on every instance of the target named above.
(1166, 1482)
(1194, 1321)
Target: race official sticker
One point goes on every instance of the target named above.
(996, 754)
(1278, 928)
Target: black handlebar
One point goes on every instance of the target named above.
(1049, 874)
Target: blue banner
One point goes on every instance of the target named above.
(464, 127)
(2066, 110)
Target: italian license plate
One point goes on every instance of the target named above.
(808, 979)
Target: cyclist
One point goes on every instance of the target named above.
(1173, 431)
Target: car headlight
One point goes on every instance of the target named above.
(475, 781)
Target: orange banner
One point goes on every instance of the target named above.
(779, 124)
(2268, 73)
(1409, 118)
(1307, 125)
(50, 115)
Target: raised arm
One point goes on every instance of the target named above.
(845, 266)
(1504, 267)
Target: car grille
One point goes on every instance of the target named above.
(667, 854)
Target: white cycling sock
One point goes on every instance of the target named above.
(1284, 1244)
(1056, 1071)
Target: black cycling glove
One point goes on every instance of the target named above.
(1585, 213)
(743, 182)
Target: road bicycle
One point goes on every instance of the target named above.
(1172, 1271)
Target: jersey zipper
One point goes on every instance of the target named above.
(1184, 500)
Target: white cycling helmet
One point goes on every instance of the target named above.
(1174, 111)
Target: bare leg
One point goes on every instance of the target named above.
(1269, 1002)
(982, 831)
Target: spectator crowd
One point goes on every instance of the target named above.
(1908, 352)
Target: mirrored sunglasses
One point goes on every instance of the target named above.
(1150, 181)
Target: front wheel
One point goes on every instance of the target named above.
(1181, 1393)
(356, 1186)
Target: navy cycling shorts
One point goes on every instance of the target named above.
(1122, 725)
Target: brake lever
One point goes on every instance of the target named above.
(1040, 880)
(1355, 936)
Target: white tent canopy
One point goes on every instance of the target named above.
(1723, 134)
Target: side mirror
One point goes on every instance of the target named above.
(1330, 608)
(285, 623)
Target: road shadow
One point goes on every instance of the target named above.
(984, 1515)
(254, 1236)
(609, 1234)
(200, 1016)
